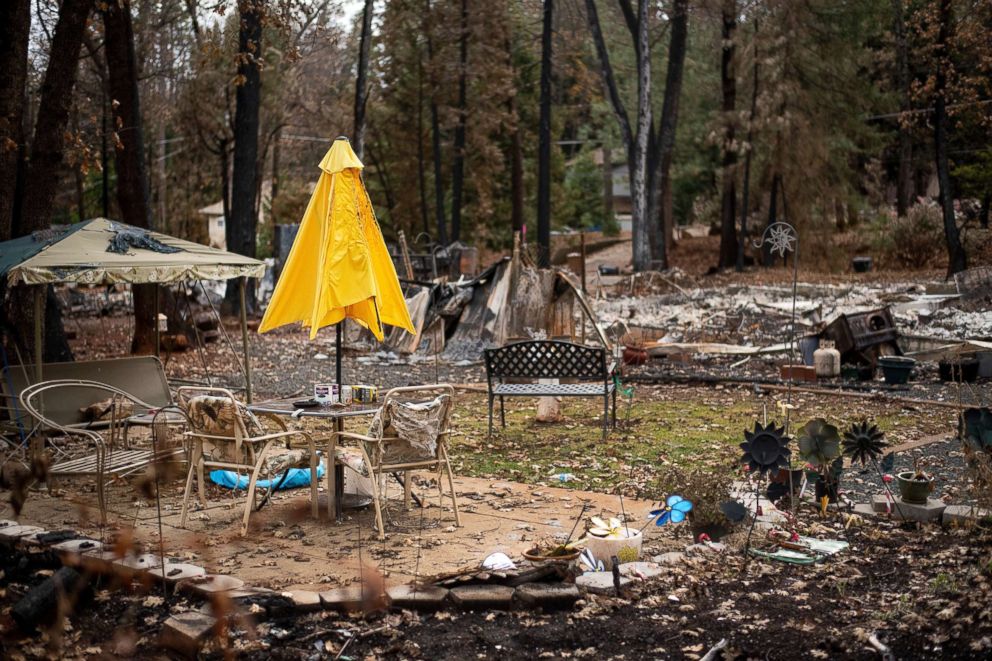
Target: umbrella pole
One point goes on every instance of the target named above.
(337, 356)
(244, 337)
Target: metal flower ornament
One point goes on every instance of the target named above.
(765, 448)
(674, 510)
(781, 238)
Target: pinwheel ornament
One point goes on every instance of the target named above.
(674, 511)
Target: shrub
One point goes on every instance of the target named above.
(914, 240)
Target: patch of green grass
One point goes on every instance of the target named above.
(943, 582)
(668, 429)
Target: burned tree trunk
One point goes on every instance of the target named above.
(241, 226)
(728, 84)
(15, 27)
(957, 261)
(439, 214)
(361, 81)
(544, 143)
(458, 162)
(129, 157)
(904, 180)
(669, 122)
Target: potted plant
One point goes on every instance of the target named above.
(551, 550)
(606, 540)
(915, 486)
(707, 488)
(819, 445)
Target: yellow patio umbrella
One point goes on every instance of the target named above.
(339, 266)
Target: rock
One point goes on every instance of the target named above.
(880, 503)
(963, 515)
(428, 598)
(547, 596)
(131, 564)
(71, 552)
(481, 597)
(670, 558)
(204, 586)
(173, 572)
(13, 534)
(342, 599)
(642, 570)
(304, 600)
(186, 633)
(932, 511)
(599, 582)
(864, 509)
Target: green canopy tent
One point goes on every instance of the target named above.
(104, 252)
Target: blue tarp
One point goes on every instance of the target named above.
(298, 477)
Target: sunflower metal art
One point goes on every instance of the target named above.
(765, 448)
(819, 442)
(863, 443)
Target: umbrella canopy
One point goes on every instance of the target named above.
(338, 266)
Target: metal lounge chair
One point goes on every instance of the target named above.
(106, 460)
(224, 434)
(405, 436)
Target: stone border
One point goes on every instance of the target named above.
(187, 632)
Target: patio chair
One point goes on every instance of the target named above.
(106, 459)
(404, 436)
(224, 434)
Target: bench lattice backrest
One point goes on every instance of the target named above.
(546, 359)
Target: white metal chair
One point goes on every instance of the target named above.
(226, 435)
(407, 434)
(107, 459)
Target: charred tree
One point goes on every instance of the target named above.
(957, 260)
(904, 179)
(241, 227)
(47, 146)
(544, 142)
(746, 185)
(439, 214)
(637, 138)
(669, 123)
(728, 87)
(361, 80)
(15, 28)
(133, 196)
(458, 161)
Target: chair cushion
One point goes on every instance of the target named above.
(279, 462)
(107, 409)
(351, 457)
(217, 416)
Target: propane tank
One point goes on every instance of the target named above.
(826, 360)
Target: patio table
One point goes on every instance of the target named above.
(335, 413)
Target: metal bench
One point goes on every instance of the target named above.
(550, 359)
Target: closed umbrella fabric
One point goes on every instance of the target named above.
(338, 266)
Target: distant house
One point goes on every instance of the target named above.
(618, 188)
(215, 225)
(216, 222)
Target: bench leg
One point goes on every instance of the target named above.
(614, 408)
(502, 412)
(606, 415)
(491, 415)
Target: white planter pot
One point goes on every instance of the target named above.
(627, 549)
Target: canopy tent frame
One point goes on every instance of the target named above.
(76, 255)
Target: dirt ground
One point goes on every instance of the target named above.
(924, 591)
(286, 549)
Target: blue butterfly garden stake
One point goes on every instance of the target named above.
(674, 511)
